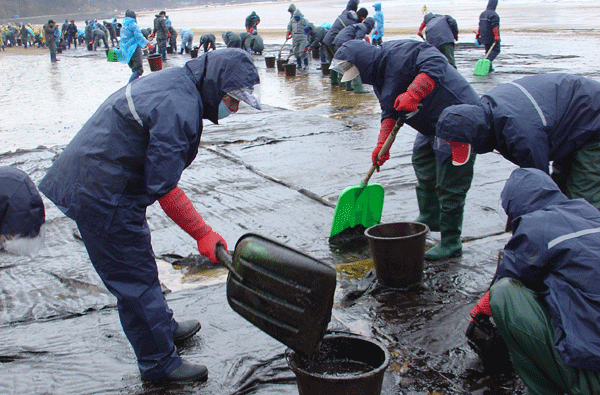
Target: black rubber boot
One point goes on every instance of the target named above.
(185, 330)
(188, 372)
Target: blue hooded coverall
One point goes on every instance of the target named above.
(130, 153)
(441, 32)
(346, 18)
(550, 318)
(391, 68)
(488, 20)
(21, 206)
(378, 30)
(535, 120)
(130, 47)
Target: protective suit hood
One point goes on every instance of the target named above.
(364, 56)
(528, 190)
(377, 6)
(21, 206)
(429, 16)
(492, 4)
(370, 22)
(218, 72)
(466, 123)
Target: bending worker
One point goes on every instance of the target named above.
(546, 298)
(128, 155)
(533, 121)
(408, 75)
(440, 31)
(22, 213)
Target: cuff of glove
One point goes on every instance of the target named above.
(482, 306)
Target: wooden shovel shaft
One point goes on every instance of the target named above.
(490, 50)
(384, 149)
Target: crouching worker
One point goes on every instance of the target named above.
(546, 298)
(22, 214)
(128, 155)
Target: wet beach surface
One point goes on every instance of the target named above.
(276, 173)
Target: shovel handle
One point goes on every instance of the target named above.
(286, 40)
(225, 259)
(384, 149)
(490, 50)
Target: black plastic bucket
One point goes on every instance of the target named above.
(344, 363)
(290, 69)
(194, 52)
(398, 251)
(270, 61)
(280, 64)
(169, 49)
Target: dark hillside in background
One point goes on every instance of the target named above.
(39, 11)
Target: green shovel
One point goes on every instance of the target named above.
(363, 204)
(483, 65)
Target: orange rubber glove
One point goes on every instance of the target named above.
(386, 128)
(421, 86)
(181, 210)
(420, 32)
(482, 306)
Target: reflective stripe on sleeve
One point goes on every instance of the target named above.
(131, 105)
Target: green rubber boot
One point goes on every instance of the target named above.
(349, 87)
(450, 244)
(334, 77)
(429, 208)
(357, 85)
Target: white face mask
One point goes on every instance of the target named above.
(224, 111)
(24, 245)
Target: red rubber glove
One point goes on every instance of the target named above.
(181, 210)
(420, 32)
(386, 128)
(421, 86)
(478, 34)
(168, 34)
(304, 50)
(496, 34)
(376, 33)
(288, 35)
(456, 38)
(482, 306)
(367, 39)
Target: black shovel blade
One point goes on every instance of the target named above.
(283, 292)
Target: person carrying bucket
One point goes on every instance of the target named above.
(131, 45)
(130, 154)
(489, 31)
(544, 297)
(534, 121)
(410, 75)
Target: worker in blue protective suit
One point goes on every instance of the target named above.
(128, 155)
(131, 45)
(161, 32)
(406, 76)
(22, 213)
(349, 16)
(440, 31)
(207, 40)
(315, 35)
(358, 31)
(295, 31)
(252, 22)
(545, 300)
(231, 39)
(254, 43)
(378, 30)
(489, 30)
(187, 40)
(533, 121)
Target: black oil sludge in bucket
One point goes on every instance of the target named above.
(344, 364)
(270, 61)
(290, 69)
(398, 251)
